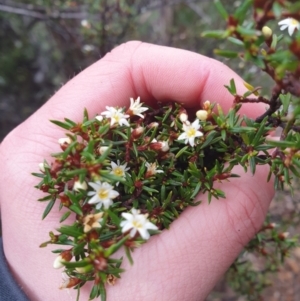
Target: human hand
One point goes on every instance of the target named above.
(183, 263)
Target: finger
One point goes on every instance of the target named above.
(155, 73)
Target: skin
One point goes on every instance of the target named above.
(183, 263)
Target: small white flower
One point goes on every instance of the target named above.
(136, 107)
(290, 23)
(116, 116)
(190, 132)
(62, 141)
(118, 170)
(151, 169)
(103, 194)
(137, 223)
(79, 185)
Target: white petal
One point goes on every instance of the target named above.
(182, 136)
(284, 22)
(192, 141)
(291, 30)
(133, 232)
(283, 27)
(95, 185)
(144, 233)
(151, 226)
(94, 200)
(126, 227)
(107, 203)
(127, 216)
(99, 205)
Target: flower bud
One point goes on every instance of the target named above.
(183, 117)
(85, 269)
(79, 185)
(99, 118)
(137, 132)
(159, 145)
(85, 24)
(63, 141)
(70, 282)
(164, 146)
(64, 256)
(267, 32)
(153, 125)
(102, 149)
(283, 236)
(42, 167)
(206, 105)
(202, 115)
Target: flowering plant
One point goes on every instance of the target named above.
(127, 173)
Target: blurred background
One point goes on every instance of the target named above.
(44, 43)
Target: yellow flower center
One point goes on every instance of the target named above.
(137, 224)
(191, 132)
(294, 22)
(118, 171)
(117, 117)
(103, 193)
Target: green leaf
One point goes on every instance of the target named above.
(70, 231)
(221, 9)
(63, 125)
(128, 255)
(248, 31)
(64, 216)
(242, 129)
(182, 151)
(226, 53)
(252, 164)
(116, 220)
(242, 10)
(85, 115)
(274, 41)
(196, 190)
(94, 292)
(232, 86)
(76, 209)
(69, 121)
(208, 139)
(260, 131)
(235, 41)
(49, 207)
(115, 247)
(277, 9)
(77, 264)
(102, 291)
(150, 190)
(217, 34)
